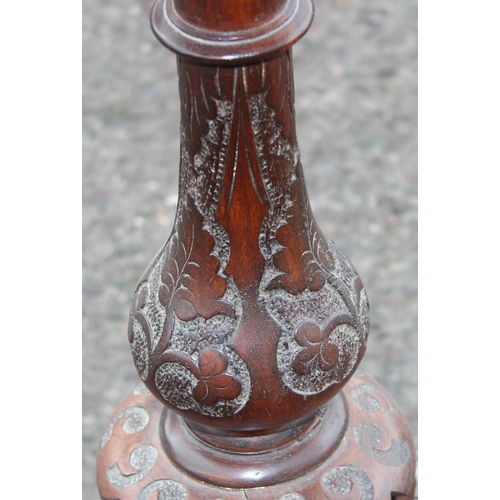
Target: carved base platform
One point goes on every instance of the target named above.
(357, 447)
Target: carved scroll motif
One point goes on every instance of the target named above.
(339, 482)
(368, 438)
(165, 489)
(135, 419)
(142, 458)
(365, 401)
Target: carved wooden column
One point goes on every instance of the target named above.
(248, 326)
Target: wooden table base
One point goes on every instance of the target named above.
(359, 446)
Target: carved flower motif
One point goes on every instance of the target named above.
(214, 384)
(314, 340)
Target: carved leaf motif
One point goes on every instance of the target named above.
(328, 356)
(320, 247)
(302, 361)
(212, 362)
(214, 383)
(316, 347)
(298, 272)
(308, 333)
(191, 285)
(296, 260)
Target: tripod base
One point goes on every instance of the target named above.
(370, 454)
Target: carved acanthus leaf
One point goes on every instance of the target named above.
(295, 260)
(191, 285)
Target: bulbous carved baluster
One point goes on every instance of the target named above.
(249, 322)
(248, 310)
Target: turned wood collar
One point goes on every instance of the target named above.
(230, 30)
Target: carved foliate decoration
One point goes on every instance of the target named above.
(187, 309)
(238, 142)
(248, 320)
(308, 287)
(184, 315)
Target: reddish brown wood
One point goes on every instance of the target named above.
(374, 459)
(249, 320)
(245, 258)
(228, 15)
(230, 30)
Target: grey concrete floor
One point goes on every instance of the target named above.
(356, 104)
